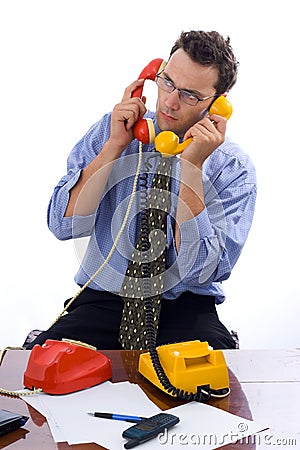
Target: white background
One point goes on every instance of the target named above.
(64, 63)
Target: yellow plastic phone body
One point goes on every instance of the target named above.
(188, 365)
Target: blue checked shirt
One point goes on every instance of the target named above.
(210, 243)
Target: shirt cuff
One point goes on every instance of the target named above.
(192, 232)
(69, 227)
(195, 229)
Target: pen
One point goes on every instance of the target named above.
(112, 416)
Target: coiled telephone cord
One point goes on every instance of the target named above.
(203, 393)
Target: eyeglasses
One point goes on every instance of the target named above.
(184, 95)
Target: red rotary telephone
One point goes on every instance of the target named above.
(61, 367)
(168, 142)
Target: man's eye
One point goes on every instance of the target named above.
(188, 95)
(168, 82)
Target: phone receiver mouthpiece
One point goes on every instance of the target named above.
(167, 143)
(144, 130)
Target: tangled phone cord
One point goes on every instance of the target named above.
(200, 396)
(203, 394)
(149, 319)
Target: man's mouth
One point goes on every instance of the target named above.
(168, 116)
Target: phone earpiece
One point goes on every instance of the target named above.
(149, 73)
(143, 129)
(222, 107)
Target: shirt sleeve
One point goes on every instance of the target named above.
(211, 243)
(81, 155)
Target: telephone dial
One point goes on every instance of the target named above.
(167, 142)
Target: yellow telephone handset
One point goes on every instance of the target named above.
(167, 142)
(222, 107)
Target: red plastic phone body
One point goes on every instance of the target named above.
(143, 129)
(61, 367)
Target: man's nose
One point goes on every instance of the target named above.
(172, 99)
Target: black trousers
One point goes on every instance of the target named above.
(94, 318)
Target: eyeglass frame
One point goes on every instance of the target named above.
(174, 88)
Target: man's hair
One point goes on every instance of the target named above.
(210, 49)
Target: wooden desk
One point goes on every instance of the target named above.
(36, 435)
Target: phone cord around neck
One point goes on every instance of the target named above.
(203, 393)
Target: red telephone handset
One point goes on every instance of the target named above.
(167, 142)
(143, 129)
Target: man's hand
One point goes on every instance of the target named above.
(124, 116)
(86, 194)
(207, 135)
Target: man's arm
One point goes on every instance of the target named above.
(86, 193)
(207, 136)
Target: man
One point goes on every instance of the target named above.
(211, 197)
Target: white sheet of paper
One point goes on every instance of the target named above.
(35, 400)
(69, 421)
(203, 426)
(264, 366)
(277, 399)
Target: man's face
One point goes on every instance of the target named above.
(171, 112)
